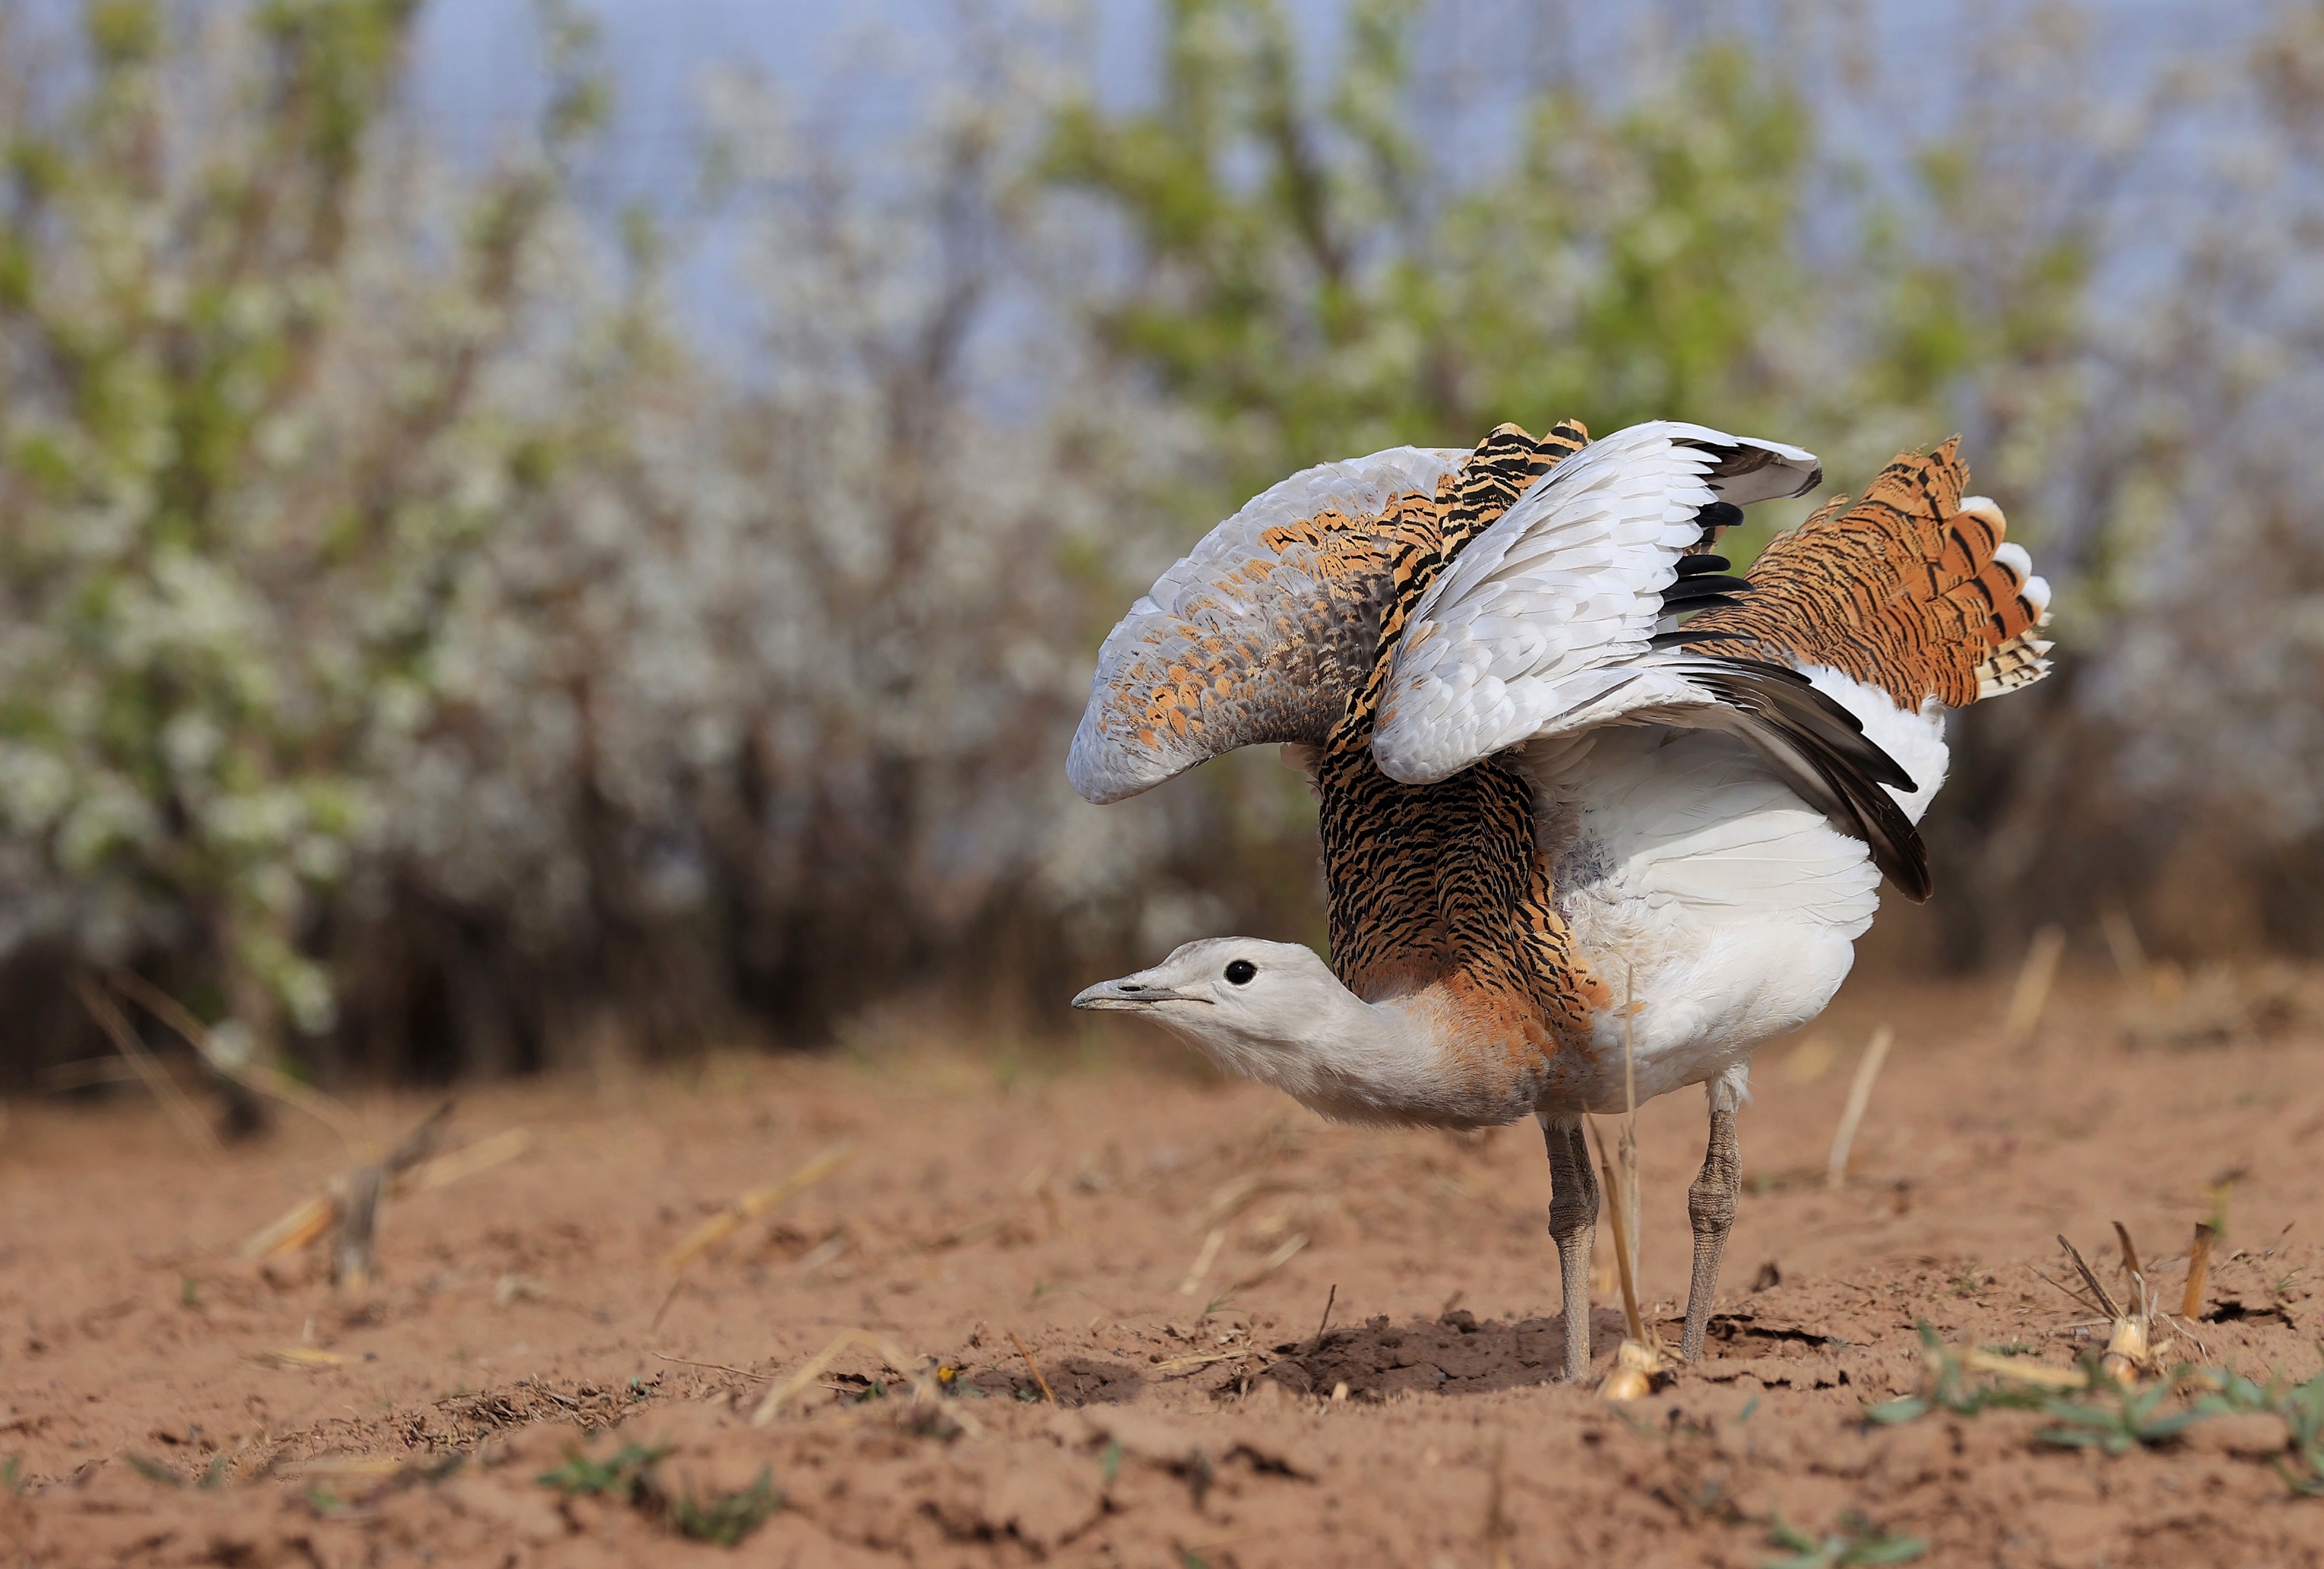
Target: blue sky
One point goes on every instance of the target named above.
(478, 70)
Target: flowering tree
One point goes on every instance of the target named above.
(249, 432)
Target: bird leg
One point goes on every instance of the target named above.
(1710, 1206)
(1573, 1226)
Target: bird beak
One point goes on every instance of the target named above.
(1129, 994)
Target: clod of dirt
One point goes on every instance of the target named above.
(460, 1422)
(1077, 1380)
(1455, 1355)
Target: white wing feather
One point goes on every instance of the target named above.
(1541, 626)
(1297, 639)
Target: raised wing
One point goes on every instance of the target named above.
(1546, 624)
(1261, 632)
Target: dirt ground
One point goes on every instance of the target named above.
(164, 1401)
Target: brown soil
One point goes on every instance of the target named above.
(1063, 1204)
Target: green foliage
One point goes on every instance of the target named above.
(1311, 282)
(1951, 1388)
(153, 1470)
(1858, 1543)
(399, 628)
(626, 1474)
(629, 1476)
(2108, 1414)
(726, 1518)
(245, 448)
(2302, 1408)
(2116, 1417)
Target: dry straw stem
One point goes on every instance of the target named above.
(2039, 1375)
(924, 1387)
(310, 1218)
(715, 1367)
(2198, 1270)
(353, 1261)
(1639, 1357)
(2031, 993)
(1326, 1322)
(346, 1465)
(2130, 1347)
(1234, 1194)
(757, 1202)
(2129, 953)
(1859, 1096)
(1201, 1268)
(2105, 1301)
(1283, 1255)
(1048, 1393)
(156, 1078)
(1632, 1209)
(1498, 1531)
(343, 1465)
(259, 1080)
(1200, 1360)
(1625, 1271)
(446, 1169)
(2142, 1297)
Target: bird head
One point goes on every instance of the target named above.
(1223, 989)
(1242, 1001)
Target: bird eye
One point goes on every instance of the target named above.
(1241, 971)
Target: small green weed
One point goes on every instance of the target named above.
(2301, 1408)
(2116, 1417)
(726, 1518)
(2105, 1414)
(1951, 1389)
(1858, 1543)
(629, 1474)
(12, 1475)
(153, 1470)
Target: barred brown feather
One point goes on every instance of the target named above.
(1903, 591)
(1443, 884)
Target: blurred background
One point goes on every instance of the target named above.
(533, 535)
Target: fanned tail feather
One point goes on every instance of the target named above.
(1914, 590)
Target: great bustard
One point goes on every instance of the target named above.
(1552, 817)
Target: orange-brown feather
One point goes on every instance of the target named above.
(1440, 888)
(1900, 591)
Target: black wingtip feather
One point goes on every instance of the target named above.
(1702, 584)
(1819, 742)
(1716, 515)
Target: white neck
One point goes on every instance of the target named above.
(1348, 1059)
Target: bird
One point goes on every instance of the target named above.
(1597, 815)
